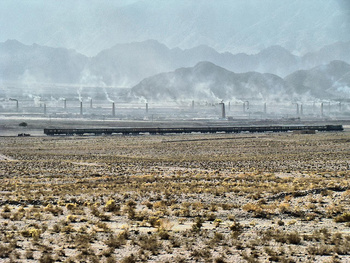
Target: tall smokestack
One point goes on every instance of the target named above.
(44, 108)
(223, 113)
(297, 108)
(301, 109)
(192, 106)
(146, 107)
(90, 103)
(81, 108)
(65, 104)
(17, 106)
(322, 109)
(229, 105)
(245, 106)
(113, 109)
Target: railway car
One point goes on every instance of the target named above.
(209, 129)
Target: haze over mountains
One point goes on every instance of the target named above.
(22, 63)
(278, 45)
(127, 64)
(330, 81)
(236, 26)
(206, 81)
(273, 73)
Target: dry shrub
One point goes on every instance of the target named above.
(257, 210)
(201, 253)
(149, 243)
(217, 222)
(334, 209)
(129, 259)
(163, 234)
(67, 229)
(6, 215)
(197, 225)
(218, 237)
(31, 232)
(294, 238)
(236, 229)
(55, 210)
(284, 207)
(82, 240)
(71, 218)
(154, 221)
(219, 260)
(165, 224)
(6, 209)
(29, 254)
(46, 258)
(71, 206)
(5, 251)
(115, 241)
(159, 205)
(226, 206)
(345, 217)
(111, 206)
(321, 249)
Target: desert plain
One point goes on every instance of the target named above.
(270, 197)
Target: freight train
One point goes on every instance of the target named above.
(209, 129)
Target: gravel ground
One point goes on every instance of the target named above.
(175, 198)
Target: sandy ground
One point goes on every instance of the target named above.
(175, 198)
(4, 157)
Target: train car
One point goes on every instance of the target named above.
(209, 129)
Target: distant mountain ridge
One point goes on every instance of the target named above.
(129, 64)
(236, 26)
(23, 63)
(206, 81)
(329, 81)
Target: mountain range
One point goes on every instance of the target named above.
(135, 64)
(235, 26)
(207, 81)
(35, 63)
(128, 64)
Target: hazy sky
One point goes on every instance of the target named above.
(227, 25)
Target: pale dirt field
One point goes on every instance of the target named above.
(176, 198)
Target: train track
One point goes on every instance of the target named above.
(209, 129)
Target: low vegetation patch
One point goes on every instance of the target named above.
(271, 197)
